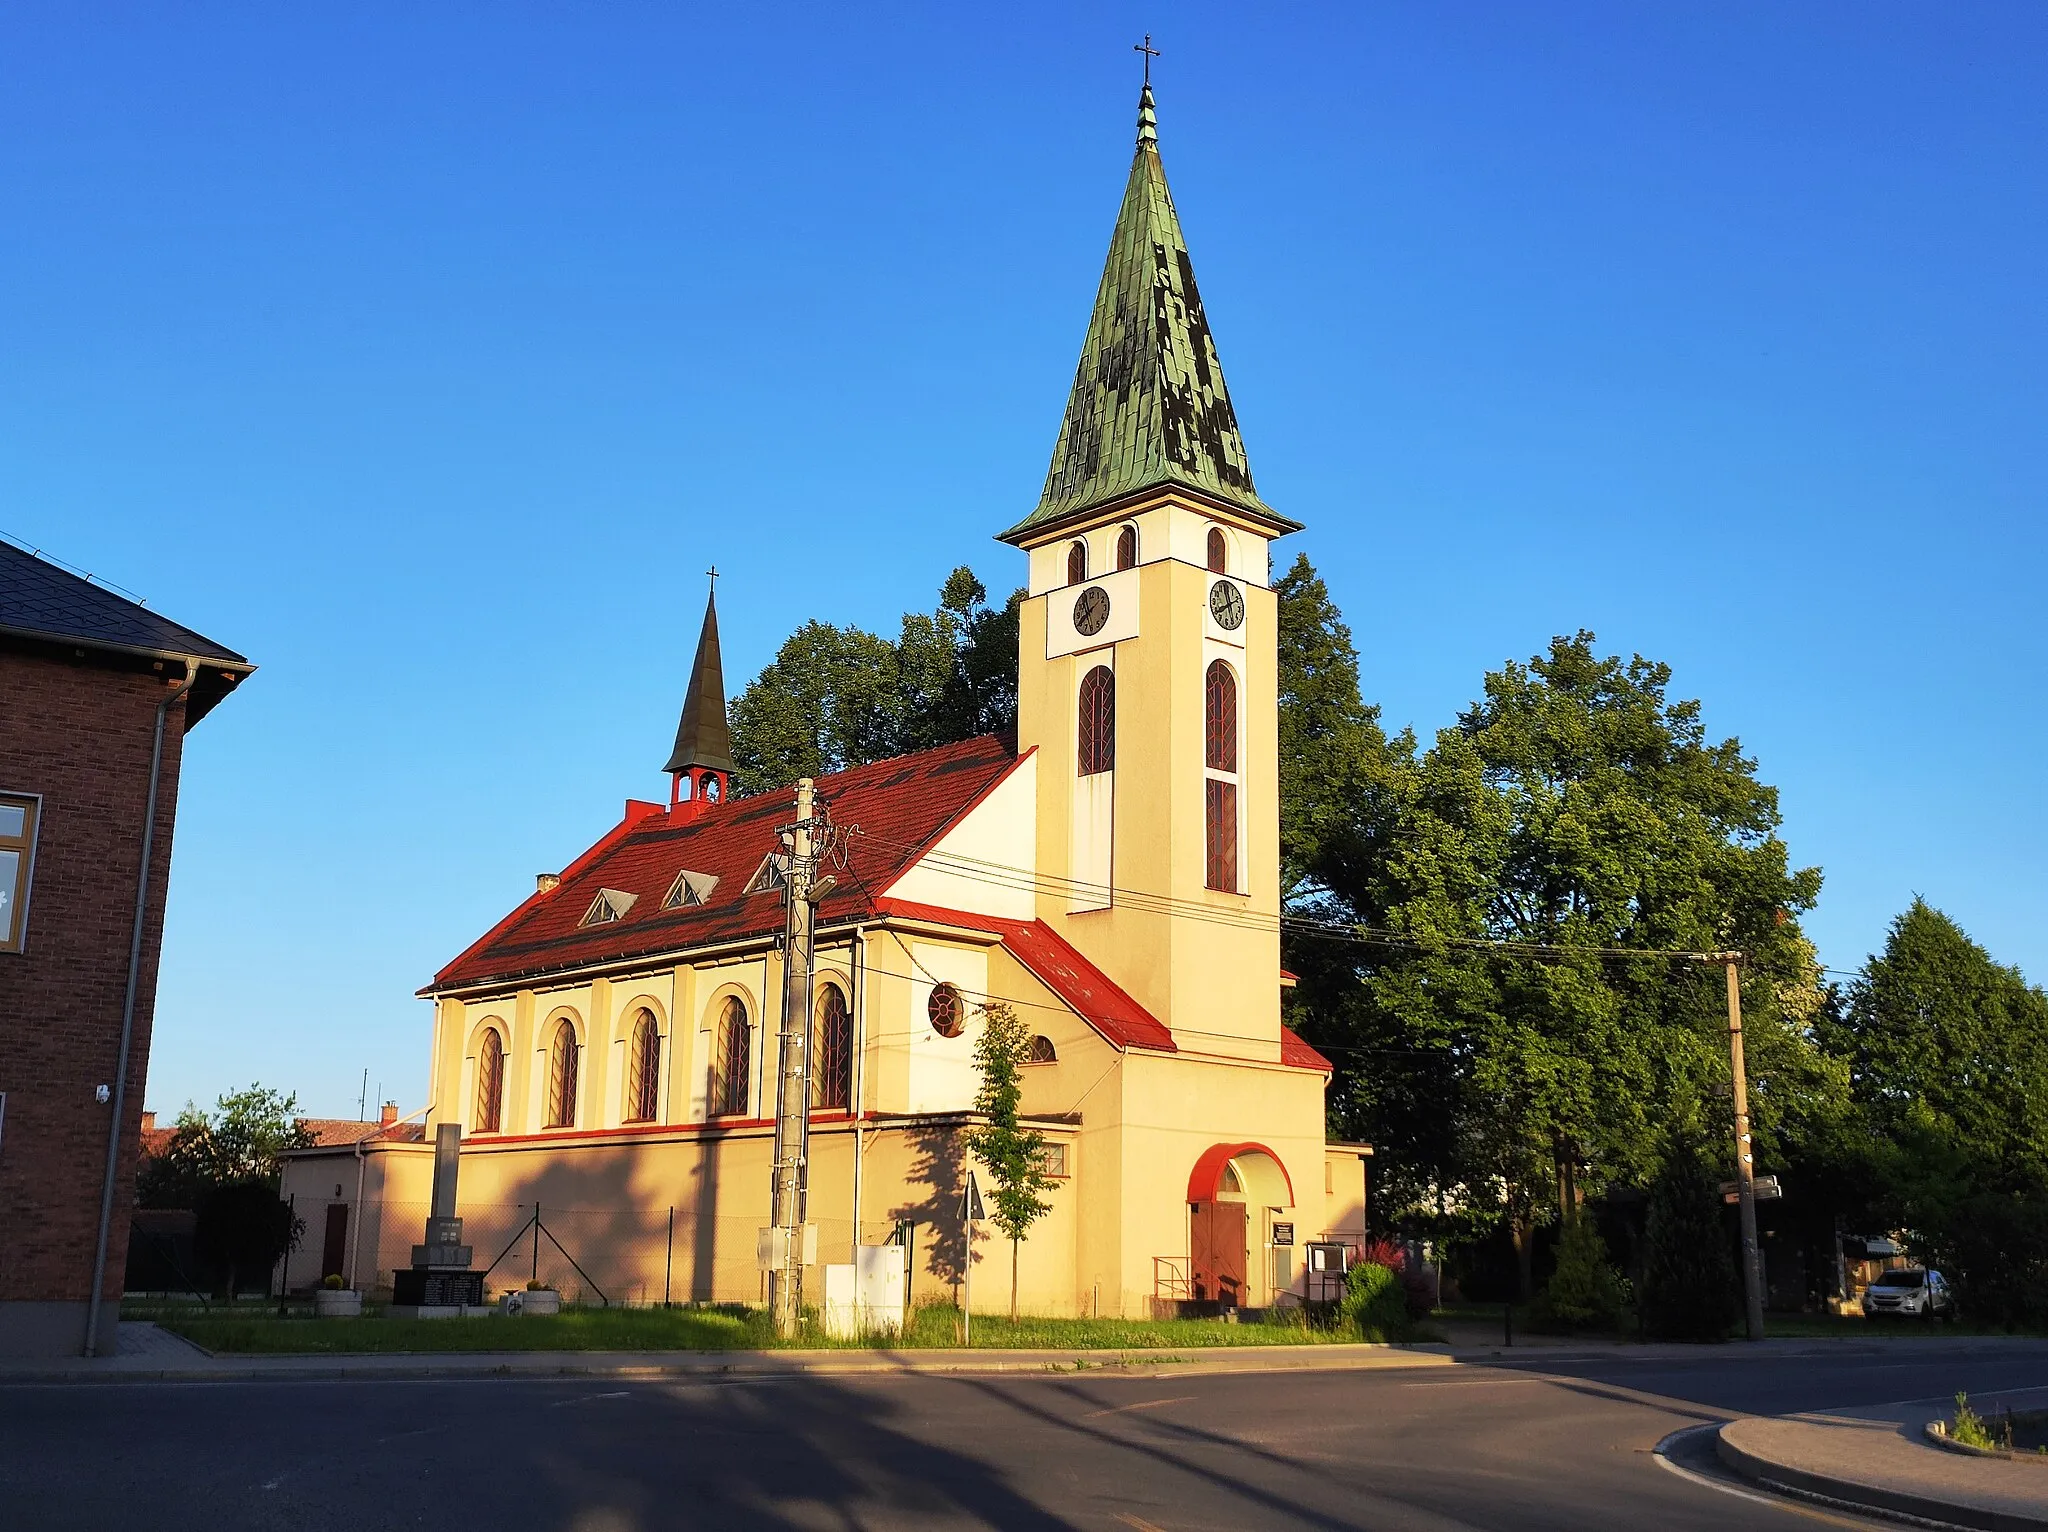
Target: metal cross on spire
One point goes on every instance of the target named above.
(1150, 53)
(713, 572)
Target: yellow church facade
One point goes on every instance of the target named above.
(610, 1048)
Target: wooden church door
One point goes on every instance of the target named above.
(1216, 1253)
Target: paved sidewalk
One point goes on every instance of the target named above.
(149, 1354)
(1879, 1458)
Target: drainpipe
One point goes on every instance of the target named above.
(355, 1239)
(860, 1068)
(156, 766)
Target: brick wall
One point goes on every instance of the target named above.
(78, 734)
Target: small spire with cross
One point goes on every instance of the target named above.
(713, 572)
(1150, 53)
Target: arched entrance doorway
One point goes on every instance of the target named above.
(1234, 1191)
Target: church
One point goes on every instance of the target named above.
(1112, 874)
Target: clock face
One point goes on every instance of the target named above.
(1091, 611)
(1226, 605)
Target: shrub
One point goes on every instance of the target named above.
(1374, 1301)
(333, 1282)
(1585, 1292)
(1688, 1290)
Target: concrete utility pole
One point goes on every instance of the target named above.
(793, 1067)
(1745, 1163)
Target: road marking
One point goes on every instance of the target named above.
(1792, 1508)
(586, 1398)
(1142, 1404)
(1137, 1521)
(1481, 1382)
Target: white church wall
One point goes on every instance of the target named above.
(942, 1073)
(999, 832)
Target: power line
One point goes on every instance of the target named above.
(1020, 879)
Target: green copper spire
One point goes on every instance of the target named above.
(1149, 407)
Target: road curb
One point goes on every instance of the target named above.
(542, 1365)
(1927, 1510)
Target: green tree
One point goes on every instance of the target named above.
(224, 1166)
(239, 1140)
(839, 697)
(1014, 1154)
(1688, 1286)
(1576, 808)
(1947, 1054)
(1584, 1291)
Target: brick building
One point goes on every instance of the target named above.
(96, 696)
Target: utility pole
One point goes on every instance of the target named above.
(1745, 1163)
(800, 894)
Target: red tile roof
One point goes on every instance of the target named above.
(1298, 1051)
(1095, 997)
(902, 805)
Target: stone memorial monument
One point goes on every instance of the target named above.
(439, 1282)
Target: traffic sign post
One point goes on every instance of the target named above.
(970, 1215)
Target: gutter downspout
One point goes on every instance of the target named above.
(355, 1238)
(156, 766)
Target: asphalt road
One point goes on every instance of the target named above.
(1532, 1444)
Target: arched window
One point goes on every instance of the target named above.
(1097, 729)
(1219, 805)
(1219, 551)
(1127, 547)
(1077, 562)
(948, 1015)
(643, 1069)
(490, 1082)
(832, 1052)
(729, 1070)
(1219, 718)
(1042, 1051)
(562, 1063)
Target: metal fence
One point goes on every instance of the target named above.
(626, 1256)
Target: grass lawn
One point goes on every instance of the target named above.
(262, 1329)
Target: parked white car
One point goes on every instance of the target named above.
(1908, 1292)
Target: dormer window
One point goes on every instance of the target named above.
(773, 873)
(689, 890)
(610, 905)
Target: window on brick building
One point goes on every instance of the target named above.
(18, 816)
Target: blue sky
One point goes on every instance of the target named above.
(428, 354)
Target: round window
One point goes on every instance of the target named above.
(945, 1010)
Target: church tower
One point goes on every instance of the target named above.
(1148, 654)
(700, 768)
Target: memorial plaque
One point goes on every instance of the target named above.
(1283, 1233)
(412, 1287)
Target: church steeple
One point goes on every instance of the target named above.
(702, 759)
(1149, 408)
